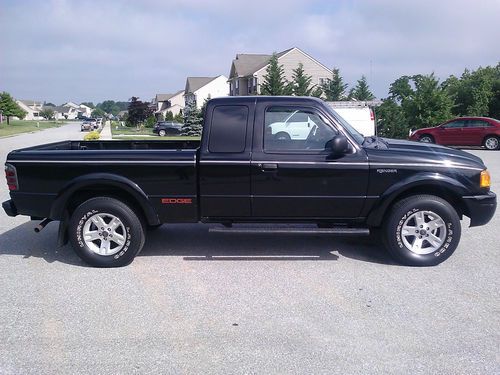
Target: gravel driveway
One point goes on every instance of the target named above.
(195, 302)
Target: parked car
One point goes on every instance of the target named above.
(89, 125)
(462, 131)
(336, 182)
(163, 128)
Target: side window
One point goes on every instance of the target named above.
(292, 129)
(455, 124)
(477, 124)
(228, 129)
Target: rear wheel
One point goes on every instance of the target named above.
(105, 232)
(491, 143)
(162, 133)
(426, 139)
(422, 230)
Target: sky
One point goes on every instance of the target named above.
(88, 50)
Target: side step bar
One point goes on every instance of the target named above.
(295, 230)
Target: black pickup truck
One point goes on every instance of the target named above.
(270, 160)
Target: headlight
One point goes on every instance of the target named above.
(485, 179)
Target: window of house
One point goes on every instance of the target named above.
(296, 129)
(323, 80)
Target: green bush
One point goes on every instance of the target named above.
(150, 122)
(92, 136)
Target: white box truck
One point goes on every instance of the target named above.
(359, 114)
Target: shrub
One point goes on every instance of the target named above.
(92, 136)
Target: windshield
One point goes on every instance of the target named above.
(348, 127)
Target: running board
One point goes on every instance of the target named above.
(340, 231)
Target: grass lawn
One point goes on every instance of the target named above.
(22, 126)
(125, 133)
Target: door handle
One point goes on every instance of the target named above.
(268, 167)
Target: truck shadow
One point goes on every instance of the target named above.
(193, 242)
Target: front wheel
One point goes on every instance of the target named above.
(162, 133)
(426, 139)
(105, 232)
(422, 230)
(491, 143)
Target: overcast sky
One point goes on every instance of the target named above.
(57, 50)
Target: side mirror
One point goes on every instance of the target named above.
(339, 145)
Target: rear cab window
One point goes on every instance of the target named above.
(228, 129)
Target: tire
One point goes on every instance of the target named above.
(426, 139)
(162, 133)
(436, 245)
(98, 249)
(491, 143)
(282, 136)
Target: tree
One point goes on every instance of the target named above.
(274, 81)
(9, 107)
(301, 84)
(179, 117)
(193, 120)
(47, 113)
(335, 88)
(88, 104)
(98, 112)
(475, 92)
(391, 120)
(49, 104)
(138, 111)
(317, 92)
(109, 106)
(361, 91)
(428, 104)
(169, 116)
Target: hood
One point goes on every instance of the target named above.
(417, 152)
(420, 130)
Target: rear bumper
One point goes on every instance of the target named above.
(480, 208)
(10, 208)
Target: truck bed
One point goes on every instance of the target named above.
(117, 145)
(155, 170)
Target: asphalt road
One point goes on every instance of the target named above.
(200, 303)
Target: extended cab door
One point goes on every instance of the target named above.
(299, 178)
(224, 170)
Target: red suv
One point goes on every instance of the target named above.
(462, 131)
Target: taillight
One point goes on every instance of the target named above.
(11, 176)
(372, 115)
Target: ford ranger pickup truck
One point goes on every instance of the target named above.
(327, 180)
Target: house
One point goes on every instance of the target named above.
(122, 114)
(169, 102)
(199, 89)
(84, 111)
(32, 109)
(248, 70)
(64, 112)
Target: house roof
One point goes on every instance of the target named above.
(195, 83)
(31, 103)
(61, 109)
(165, 97)
(246, 64)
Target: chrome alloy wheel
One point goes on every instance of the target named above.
(104, 234)
(423, 232)
(491, 143)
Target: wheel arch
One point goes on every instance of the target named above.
(93, 185)
(441, 186)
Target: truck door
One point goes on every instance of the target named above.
(224, 170)
(298, 178)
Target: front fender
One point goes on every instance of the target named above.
(103, 179)
(427, 182)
